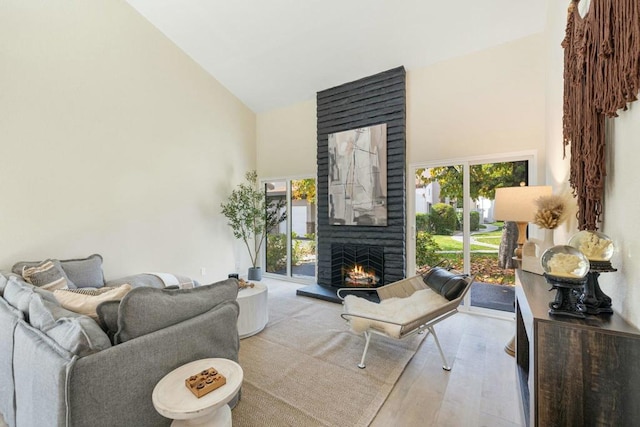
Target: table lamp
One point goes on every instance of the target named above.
(518, 204)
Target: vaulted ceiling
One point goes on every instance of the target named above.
(274, 53)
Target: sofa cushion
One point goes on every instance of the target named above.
(3, 283)
(75, 333)
(45, 275)
(9, 318)
(145, 310)
(85, 272)
(18, 294)
(84, 301)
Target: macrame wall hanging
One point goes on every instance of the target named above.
(601, 76)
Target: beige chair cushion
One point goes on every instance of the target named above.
(397, 311)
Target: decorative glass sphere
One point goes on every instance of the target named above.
(594, 245)
(564, 262)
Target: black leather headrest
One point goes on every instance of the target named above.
(444, 282)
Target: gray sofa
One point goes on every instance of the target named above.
(59, 368)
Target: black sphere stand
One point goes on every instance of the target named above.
(568, 293)
(596, 301)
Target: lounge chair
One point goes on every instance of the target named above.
(406, 307)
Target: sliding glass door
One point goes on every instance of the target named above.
(291, 247)
(439, 207)
(454, 224)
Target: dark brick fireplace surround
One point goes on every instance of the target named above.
(373, 100)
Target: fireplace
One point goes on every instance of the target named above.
(355, 266)
(371, 101)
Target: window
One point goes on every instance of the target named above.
(291, 248)
(453, 221)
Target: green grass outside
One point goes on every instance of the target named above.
(491, 240)
(495, 233)
(492, 237)
(447, 243)
(484, 265)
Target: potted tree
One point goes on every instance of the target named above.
(251, 217)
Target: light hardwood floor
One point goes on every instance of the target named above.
(480, 390)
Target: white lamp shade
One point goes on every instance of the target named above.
(518, 203)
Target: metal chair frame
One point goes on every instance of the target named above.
(402, 289)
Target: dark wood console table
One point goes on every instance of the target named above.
(574, 372)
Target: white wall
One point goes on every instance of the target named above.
(557, 173)
(621, 214)
(113, 141)
(287, 141)
(485, 103)
(622, 205)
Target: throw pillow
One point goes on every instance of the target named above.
(19, 267)
(73, 332)
(444, 282)
(45, 275)
(84, 272)
(146, 310)
(85, 302)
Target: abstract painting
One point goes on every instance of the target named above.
(358, 176)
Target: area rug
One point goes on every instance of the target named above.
(301, 369)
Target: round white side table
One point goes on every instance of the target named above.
(253, 310)
(172, 398)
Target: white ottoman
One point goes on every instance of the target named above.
(253, 310)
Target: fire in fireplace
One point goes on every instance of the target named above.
(359, 276)
(357, 265)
